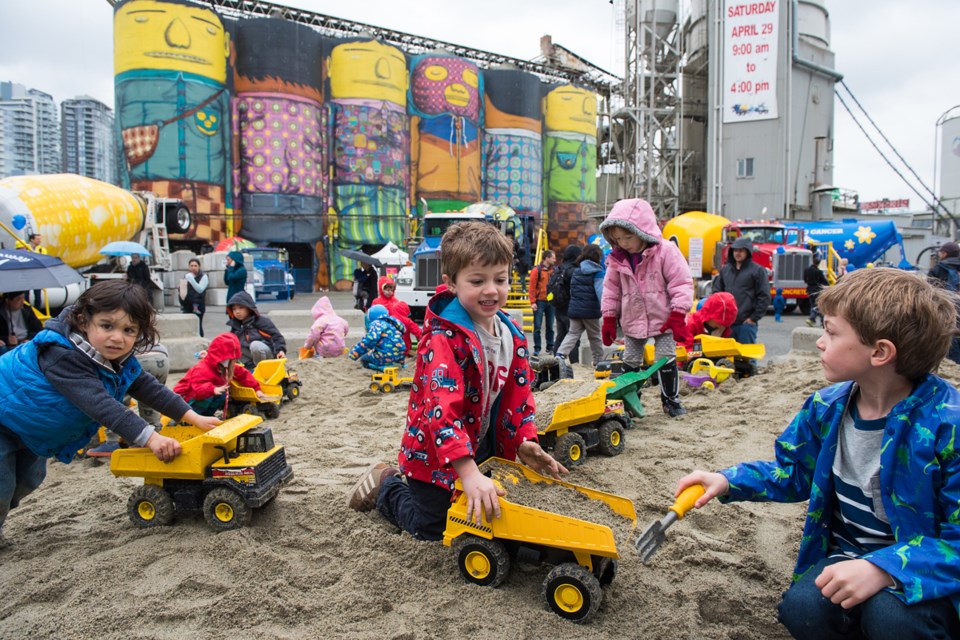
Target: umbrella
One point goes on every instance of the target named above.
(233, 243)
(124, 248)
(25, 270)
(360, 256)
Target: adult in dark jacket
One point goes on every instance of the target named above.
(816, 281)
(138, 272)
(259, 337)
(750, 286)
(570, 256)
(195, 301)
(947, 273)
(236, 274)
(18, 323)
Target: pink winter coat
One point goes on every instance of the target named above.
(328, 331)
(644, 297)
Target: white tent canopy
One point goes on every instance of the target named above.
(391, 255)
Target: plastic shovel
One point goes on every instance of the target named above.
(653, 537)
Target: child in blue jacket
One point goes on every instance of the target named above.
(383, 346)
(875, 455)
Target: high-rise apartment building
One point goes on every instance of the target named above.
(88, 142)
(29, 131)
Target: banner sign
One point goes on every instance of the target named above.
(751, 34)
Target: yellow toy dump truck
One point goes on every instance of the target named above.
(276, 384)
(583, 551)
(574, 416)
(725, 352)
(225, 473)
(389, 380)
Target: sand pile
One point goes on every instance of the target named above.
(308, 567)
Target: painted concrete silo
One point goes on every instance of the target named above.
(172, 106)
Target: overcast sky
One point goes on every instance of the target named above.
(895, 56)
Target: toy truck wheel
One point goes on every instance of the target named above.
(270, 410)
(570, 449)
(387, 387)
(292, 391)
(572, 592)
(225, 510)
(481, 561)
(611, 437)
(252, 410)
(375, 386)
(150, 506)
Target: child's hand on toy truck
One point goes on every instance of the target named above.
(166, 449)
(482, 492)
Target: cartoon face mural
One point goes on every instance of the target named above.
(154, 34)
(446, 85)
(570, 108)
(368, 69)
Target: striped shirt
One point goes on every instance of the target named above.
(859, 524)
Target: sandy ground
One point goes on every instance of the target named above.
(308, 567)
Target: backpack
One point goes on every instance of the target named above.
(558, 287)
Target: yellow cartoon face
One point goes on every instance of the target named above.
(570, 108)
(369, 70)
(149, 34)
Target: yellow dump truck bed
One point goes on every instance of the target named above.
(270, 372)
(536, 526)
(571, 402)
(199, 452)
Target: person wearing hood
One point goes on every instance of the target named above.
(750, 286)
(586, 288)
(328, 331)
(946, 273)
(561, 275)
(206, 385)
(649, 289)
(714, 318)
(259, 337)
(58, 388)
(235, 275)
(383, 346)
(397, 308)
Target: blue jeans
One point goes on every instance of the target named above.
(417, 507)
(544, 308)
(744, 333)
(807, 614)
(21, 471)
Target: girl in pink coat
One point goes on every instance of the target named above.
(649, 289)
(328, 331)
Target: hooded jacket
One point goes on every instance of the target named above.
(940, 270)
(919, 481)
(235, 276)
(398, 309)
(328, 330)
(57, 390)
(719, 307)
(447, 396)
(748, 283)
(383, 342)
(643, 297)
(199, 382)
(586, 289)
(255, 327)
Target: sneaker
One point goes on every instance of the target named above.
(809, 322)
(363, 495)
(104, 450)
(672, 408)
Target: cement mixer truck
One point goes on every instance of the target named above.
(704, 239)
(78, 216)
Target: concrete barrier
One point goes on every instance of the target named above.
(805, 339)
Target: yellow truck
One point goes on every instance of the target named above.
(389, 380)
(225, 473)
(583, 553)
(276, 384)
(574, 416)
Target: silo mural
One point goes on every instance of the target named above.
(370, 140)
(445, 101)
(512, 142)
(279, 127)
(172, 105)
(570, 161)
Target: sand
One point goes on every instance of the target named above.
(308, 567)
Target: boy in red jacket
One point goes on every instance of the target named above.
(206, 384)
(471, 396)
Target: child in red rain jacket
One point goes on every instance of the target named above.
(471, 396)
(396, 308)
(718, 312)
(206, 384)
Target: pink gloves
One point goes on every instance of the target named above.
(608, 332)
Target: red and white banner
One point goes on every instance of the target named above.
(751, 35)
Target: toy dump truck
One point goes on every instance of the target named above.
(584, 553)
(725, 352)
(225, 473)
(574, 416)
(275, 372)
(389, 380)
(276, 384)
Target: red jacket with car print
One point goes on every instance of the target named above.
(446, 399)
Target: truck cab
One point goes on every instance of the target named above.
(270, 272)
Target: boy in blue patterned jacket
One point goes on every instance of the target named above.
(383, 346)
(875, 455)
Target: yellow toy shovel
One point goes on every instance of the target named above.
(652, 538)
